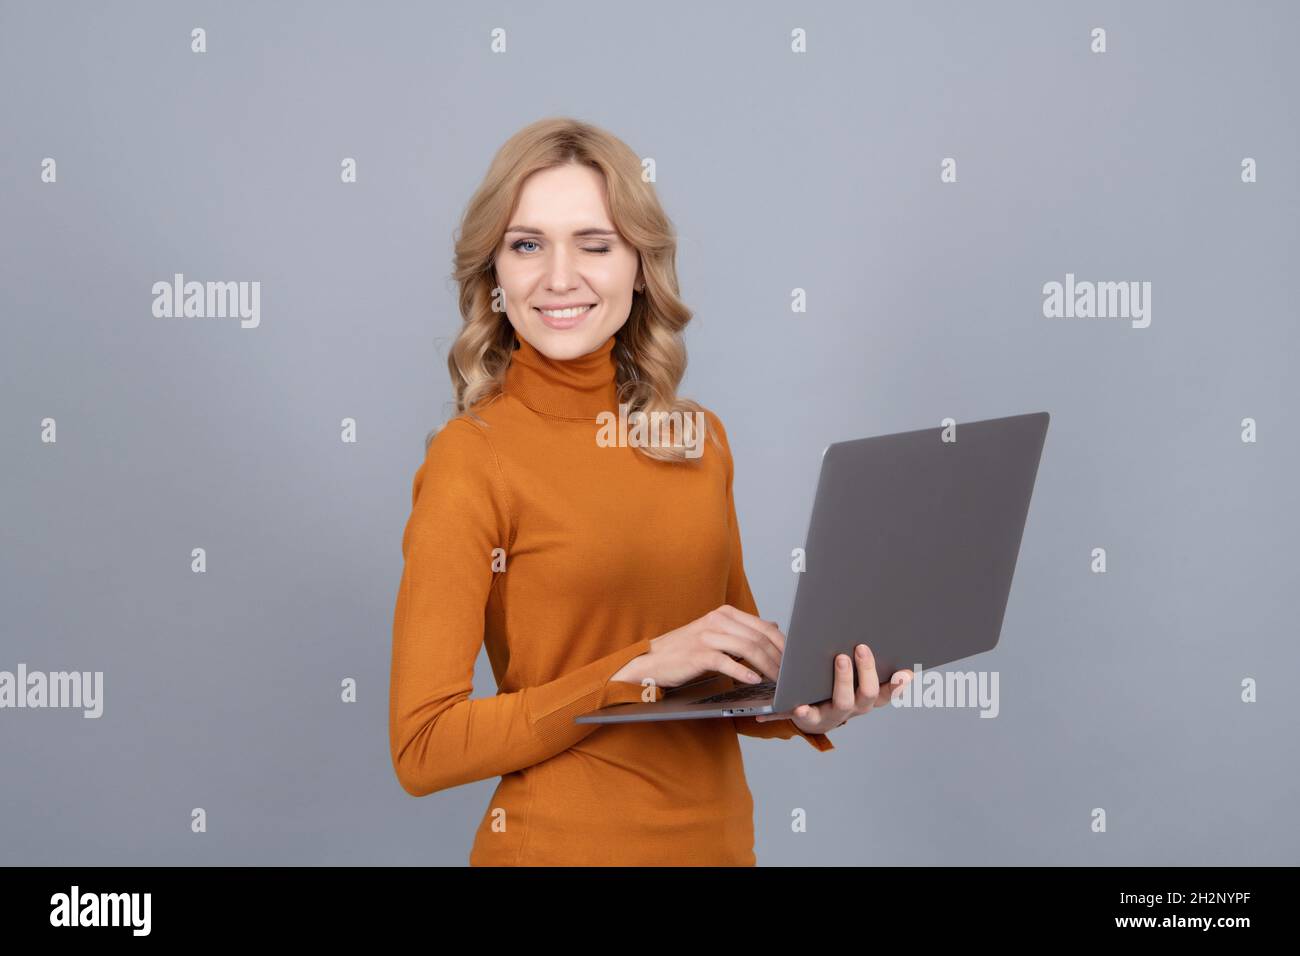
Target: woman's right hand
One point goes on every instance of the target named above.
(711, 644)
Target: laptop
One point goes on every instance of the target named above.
(911, 548)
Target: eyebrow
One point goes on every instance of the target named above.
(589, 231)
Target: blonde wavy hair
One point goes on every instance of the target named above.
(648, 351)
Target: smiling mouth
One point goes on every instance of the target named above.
(565, 314)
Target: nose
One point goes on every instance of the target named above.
(560, 273)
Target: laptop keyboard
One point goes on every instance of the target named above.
(744, 692)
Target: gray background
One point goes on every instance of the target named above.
(818, 171)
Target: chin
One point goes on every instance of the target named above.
(563, 344)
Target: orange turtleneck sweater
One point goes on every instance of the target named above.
(602, 549)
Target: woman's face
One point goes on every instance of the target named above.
(561, 251)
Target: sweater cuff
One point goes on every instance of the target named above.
(589, 687)
(820, 741)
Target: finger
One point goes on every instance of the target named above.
(754, 650)
(820, 718)
(839, 708)
(896, 687)
(868, 680)
(728, 620)
(842, 700)
(725, 664)
(805, 712)
(768, 628)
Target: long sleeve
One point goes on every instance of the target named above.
(439, 738)
(739, 596)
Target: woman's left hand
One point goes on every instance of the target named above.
(846, 702)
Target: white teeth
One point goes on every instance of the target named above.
(564, 313)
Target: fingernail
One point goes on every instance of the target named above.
(842, 661)
(862, 650)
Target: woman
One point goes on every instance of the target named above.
(595, 572)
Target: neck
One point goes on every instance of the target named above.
(577, 388)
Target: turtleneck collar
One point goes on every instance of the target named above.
(578, 388)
